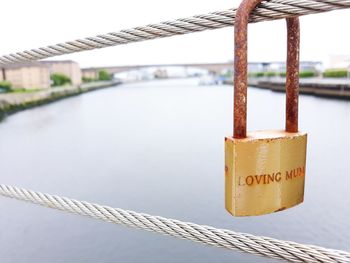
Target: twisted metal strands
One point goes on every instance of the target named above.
(268, 10)
(257, 245)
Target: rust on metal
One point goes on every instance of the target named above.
(292, 76)
(241, 68)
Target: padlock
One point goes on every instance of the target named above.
(264, 170)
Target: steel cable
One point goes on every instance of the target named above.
(257, 245)
(267, 10)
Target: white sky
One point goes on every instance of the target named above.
(35, 23)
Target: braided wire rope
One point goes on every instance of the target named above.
(257, 245)
(267, 10)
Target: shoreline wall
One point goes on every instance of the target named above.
(11, 103)
(316, 87)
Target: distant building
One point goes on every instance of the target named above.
(160, 73)
(2, 74)
(28, 76)
(67, 67)
(254, 67)
(90, 73)
(314, 66)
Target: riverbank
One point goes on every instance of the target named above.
(332, 88)
(14, 102)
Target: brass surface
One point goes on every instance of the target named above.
(265, 172)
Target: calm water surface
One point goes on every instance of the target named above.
(158, 147)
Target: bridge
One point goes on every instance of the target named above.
(215, 68)
(211, 67)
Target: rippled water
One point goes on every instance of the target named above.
(157, 147)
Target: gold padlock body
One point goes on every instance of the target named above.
(265, 172)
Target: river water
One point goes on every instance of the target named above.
(158, 147)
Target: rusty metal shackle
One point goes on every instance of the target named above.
(241, 69)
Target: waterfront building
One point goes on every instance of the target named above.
(254, 67)
(90, 73)
(66, 67)
(27, 76)
(279, 67)
(311, 66)
(160, 73)
(2, 74)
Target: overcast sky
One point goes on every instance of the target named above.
(31, 24)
